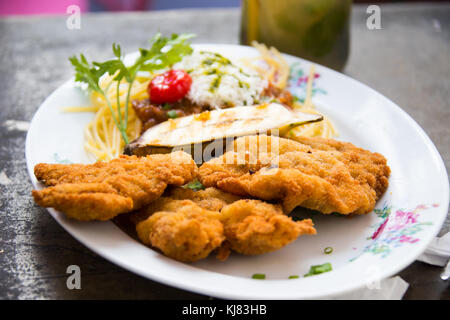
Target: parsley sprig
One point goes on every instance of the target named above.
(163, 53)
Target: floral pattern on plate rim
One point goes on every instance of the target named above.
(298, 80)
(397, 228)
(57, 159)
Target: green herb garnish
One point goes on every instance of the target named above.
(207, 62)
(313, 270)
(259, 276)
(216, 82)
(166, 106)
(172, 114)
(293, 277)
(194, 185)
(163, 53)
(328, 250)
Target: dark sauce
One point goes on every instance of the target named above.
(152, 114)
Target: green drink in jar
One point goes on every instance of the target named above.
(316, 30)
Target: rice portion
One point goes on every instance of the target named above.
(219, 83)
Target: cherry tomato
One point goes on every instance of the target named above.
(169, 86)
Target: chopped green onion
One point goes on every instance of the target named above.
(172, 114)
(260, 276)
(166, 106)
(293, 277)
(322, 268)
(194, 185)
(328, 250)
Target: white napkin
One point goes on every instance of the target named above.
(438, 252)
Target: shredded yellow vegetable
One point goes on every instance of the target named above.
(101, 135)
(272, 66)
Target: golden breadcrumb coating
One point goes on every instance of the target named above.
(103, 190)
(349, 181)
(365, 166)
(256, 227)
(182, 230)
(210, 198)
(248, 226)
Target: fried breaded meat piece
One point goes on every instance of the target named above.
(212, 199)
(207, 200)
(181, 229)
(256, 227)
(103, 190)
(345, 179)
(184, 225)
(365, 166)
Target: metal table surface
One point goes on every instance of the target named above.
(407, 60)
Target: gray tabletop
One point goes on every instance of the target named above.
(408, 60)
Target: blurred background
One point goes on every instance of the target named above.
(27, 7)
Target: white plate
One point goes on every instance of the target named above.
(365, 248)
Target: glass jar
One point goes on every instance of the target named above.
(316, 30)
